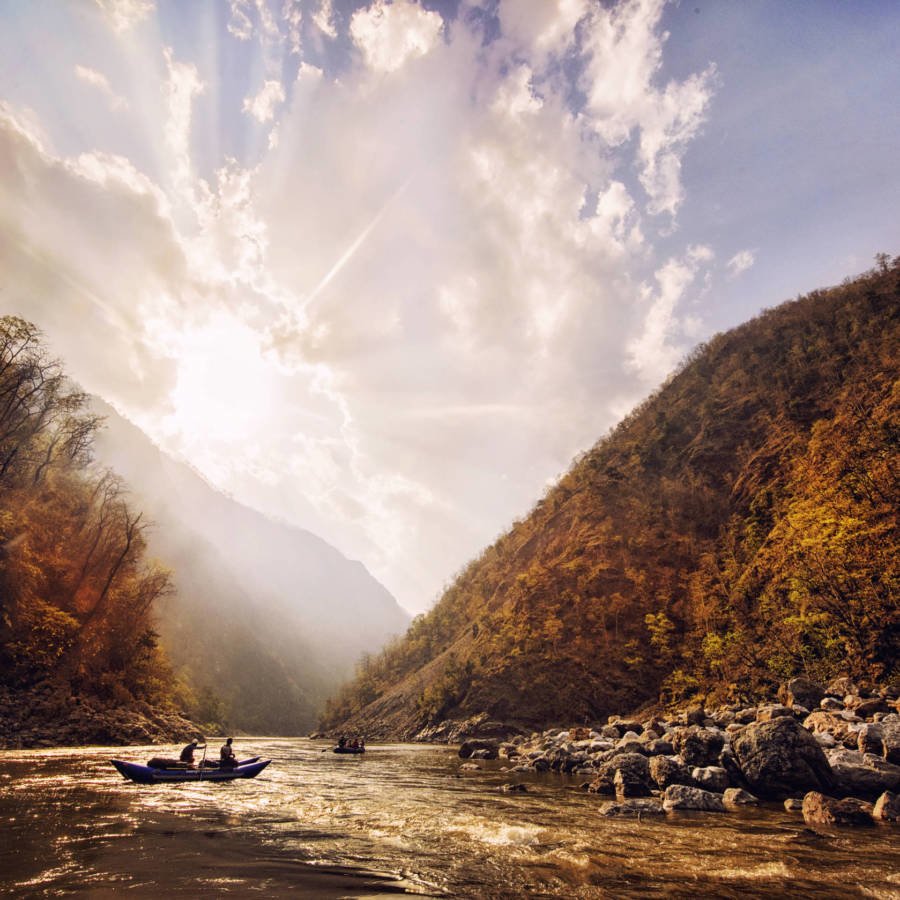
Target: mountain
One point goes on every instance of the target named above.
(266, 619)
(738, 527)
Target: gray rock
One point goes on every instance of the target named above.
(867, 708)
(634, 780)
(666, 770)
(513, 789)
(710, 778)
(890, 738)
(801, 692)
(831, 704)
(870, 739)
(698, 746)
(772, 711)
(659, 747)
(469, 748)
(821, 810)
(862, 774)
(680, 796)
(887, 807)
(739, 797)
(637, 808)
(781, 758)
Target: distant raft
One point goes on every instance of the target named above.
(349, 750)
(151, 775)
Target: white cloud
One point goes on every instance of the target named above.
(740, 262)
(394, 326)
(656, 350)
(389, 34)
(262, 107)
(123, 15)
(324, 19)
(101, 82)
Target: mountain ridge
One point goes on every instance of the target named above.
(679, 555)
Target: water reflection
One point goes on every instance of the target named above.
(401, 819)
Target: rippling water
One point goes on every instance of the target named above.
(401, 819)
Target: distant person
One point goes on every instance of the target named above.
(354, 744)
(187, 755)
(227, 758)
(362, 743)
(341, 741)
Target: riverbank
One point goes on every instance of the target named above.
(49, 715)
(830, 753)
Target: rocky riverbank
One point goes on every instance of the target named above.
(830, 753)
(48, 715)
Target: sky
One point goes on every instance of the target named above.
(383, 269)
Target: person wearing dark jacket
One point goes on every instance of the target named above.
(187, 755)
(227, 758)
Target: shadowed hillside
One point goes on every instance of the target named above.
(740, 526)
(267, 619)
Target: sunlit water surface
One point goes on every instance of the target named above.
(401, 819)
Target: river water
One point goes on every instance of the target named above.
(401, 819)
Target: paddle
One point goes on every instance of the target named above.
(201, 763)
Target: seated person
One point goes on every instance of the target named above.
(187, 755)
(227, 759)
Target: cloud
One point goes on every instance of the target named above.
(410, 310)
(389, 34)
(123, 15)
(262, 107)
(740, 262)
(324, 19)
(100, 81)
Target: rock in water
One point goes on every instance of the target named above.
(636, 808)
(666, 770)
(739, 797)
(680, 796)
(710, 778)
(821, 810)
(781, 758)
(469, 748)
(887, 807)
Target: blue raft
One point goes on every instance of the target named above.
(150, 775)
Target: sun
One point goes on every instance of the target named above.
(225, 387)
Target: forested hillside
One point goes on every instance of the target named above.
(77, 590)
(740, 526)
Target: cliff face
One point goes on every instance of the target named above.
(267, 619)
(739, 527)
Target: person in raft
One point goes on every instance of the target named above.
(187, 755)
(227, 758)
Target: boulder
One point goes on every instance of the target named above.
(839, 687)
(821, 810)
(680, 796)
(710, 778)
(870, 739)
(835, 725)
(698, 746)
(772, 711)
(631, 777)
(659, 747)
(890, 739)
(781, 758)
(867, 708)
(633, 808)
(793, 804)
(887, 807)
(739, 797)
(831, 704)
(469, 748)
(513, 789)
(862, 774)
(666, 770)
(801, 692)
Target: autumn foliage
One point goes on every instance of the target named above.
(738, 527)
(76, 589)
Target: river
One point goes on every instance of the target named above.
(401, 819)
